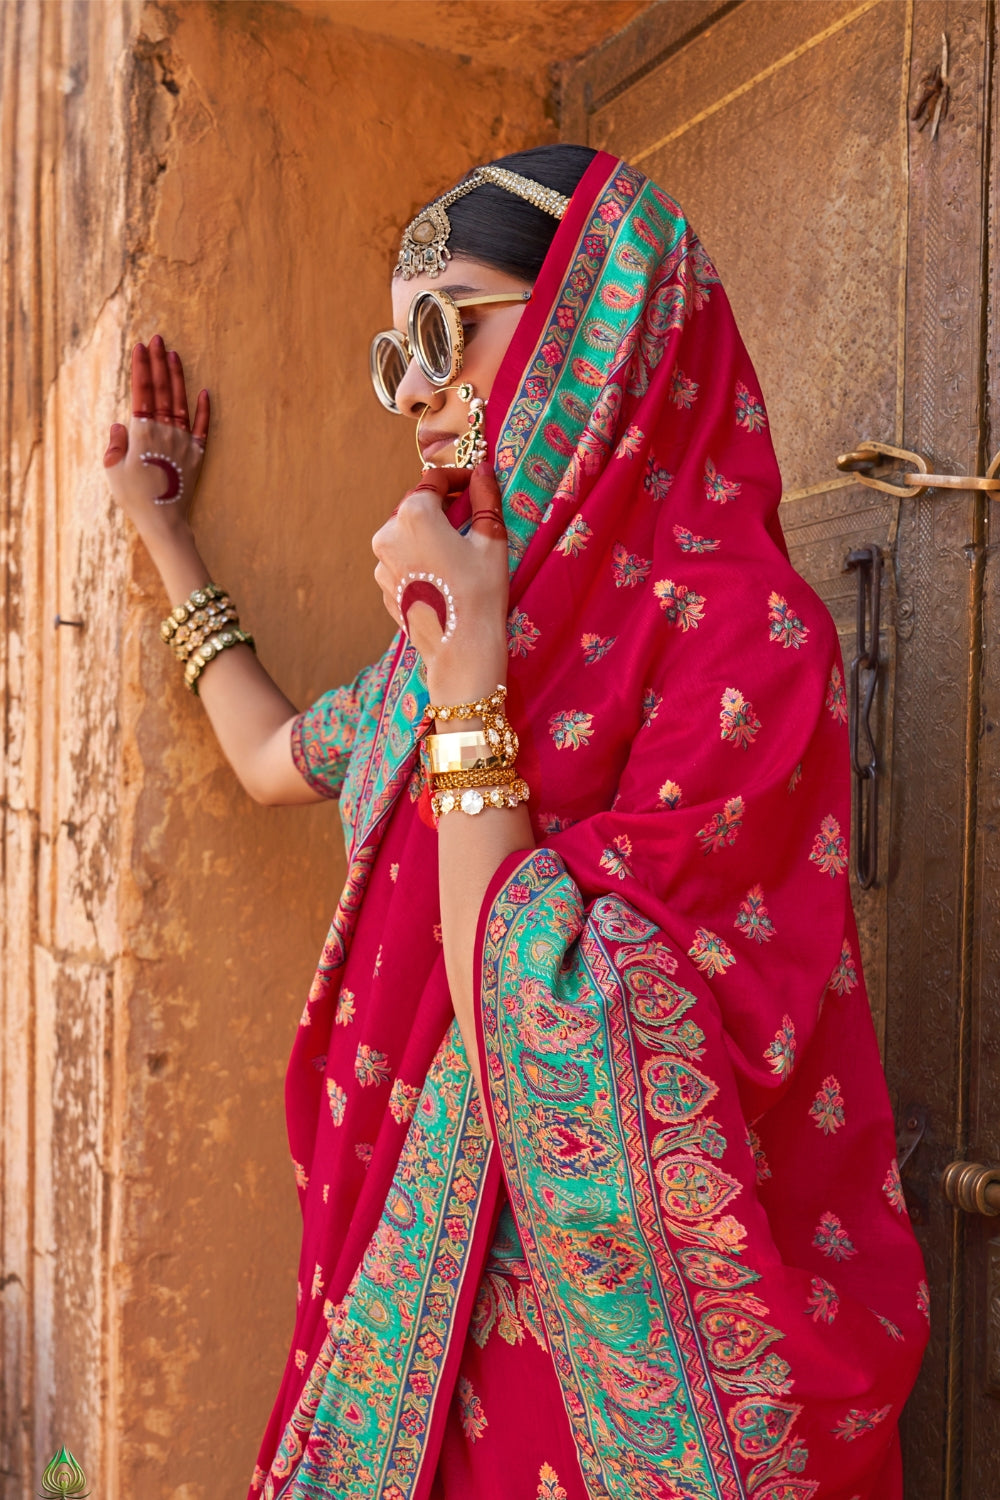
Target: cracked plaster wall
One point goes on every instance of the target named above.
(235, 176)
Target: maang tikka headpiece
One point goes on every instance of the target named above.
(424, 250)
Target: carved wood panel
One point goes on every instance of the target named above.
(852, 247)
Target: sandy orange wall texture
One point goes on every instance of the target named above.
(234, 175)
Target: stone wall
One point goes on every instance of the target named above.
(235, 176)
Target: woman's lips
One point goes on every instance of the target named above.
(432, 442)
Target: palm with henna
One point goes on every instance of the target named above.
(153, 467)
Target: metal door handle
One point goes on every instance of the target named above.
(871, 462)
(972, 1187)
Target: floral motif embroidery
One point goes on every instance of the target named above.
(829, 850)
(836, 695)
(651, 701)
(345, 1008)
(571, 729)
(795, 778)
(549, 1487)
(683, 391)
(824, 1301)
(827, 1109)
(318, 1283)
(710, 953)
(631, 442)
(616, 858)
(761, 1166)
(574, 538)
(337, 1098)
(752, 918)
(364, 1151)
(781, 1052)
(371, 1067)
(891, 1328)
(595, 646)
(892, 1187)
(924, 1299)
(521, 633)
(845, 976)
(627, 568)
(749, 411)
(722, 827)
(833, 1239)
(394, 871)
(471, 1413)
(688, 542)
(301, 1175)
(738, 722)
(670, 794)
(784, 626)
(403, 1100)
(718, 487)
(682, 606)
(657, 480)
(859, 1420)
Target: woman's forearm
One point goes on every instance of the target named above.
(250, 715)
(470, 851)
(471, 848)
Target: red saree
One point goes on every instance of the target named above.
(703, 1282)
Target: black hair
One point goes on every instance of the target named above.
(506, 232)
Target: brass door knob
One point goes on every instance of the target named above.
(972, 1187)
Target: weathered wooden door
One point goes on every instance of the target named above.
(854, 247)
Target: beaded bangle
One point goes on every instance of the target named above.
(199, 659)
(190, 637)
(182, 613)
(473, 799)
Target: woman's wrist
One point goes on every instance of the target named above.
(177, 560)
(450, 684)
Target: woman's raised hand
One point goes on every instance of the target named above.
(153, 464)
(465, 653)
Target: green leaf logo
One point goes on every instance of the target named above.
(63, 1478)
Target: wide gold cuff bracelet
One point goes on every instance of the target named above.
(458, 751)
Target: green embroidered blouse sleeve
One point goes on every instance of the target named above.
(324, 736)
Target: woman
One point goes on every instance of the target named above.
(593, 1146)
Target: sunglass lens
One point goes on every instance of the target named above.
(389, 367)
(432, 339)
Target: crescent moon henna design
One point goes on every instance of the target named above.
(424, 588)
(174, 477)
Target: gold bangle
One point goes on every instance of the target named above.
(500, 736)
(457, 751)
(199, 659)
(181, 613)
(190, 637)
(477, 710)
(457, 781)
(473, 800)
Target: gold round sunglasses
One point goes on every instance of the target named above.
(433, 337)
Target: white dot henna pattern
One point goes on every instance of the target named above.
(174, 477)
